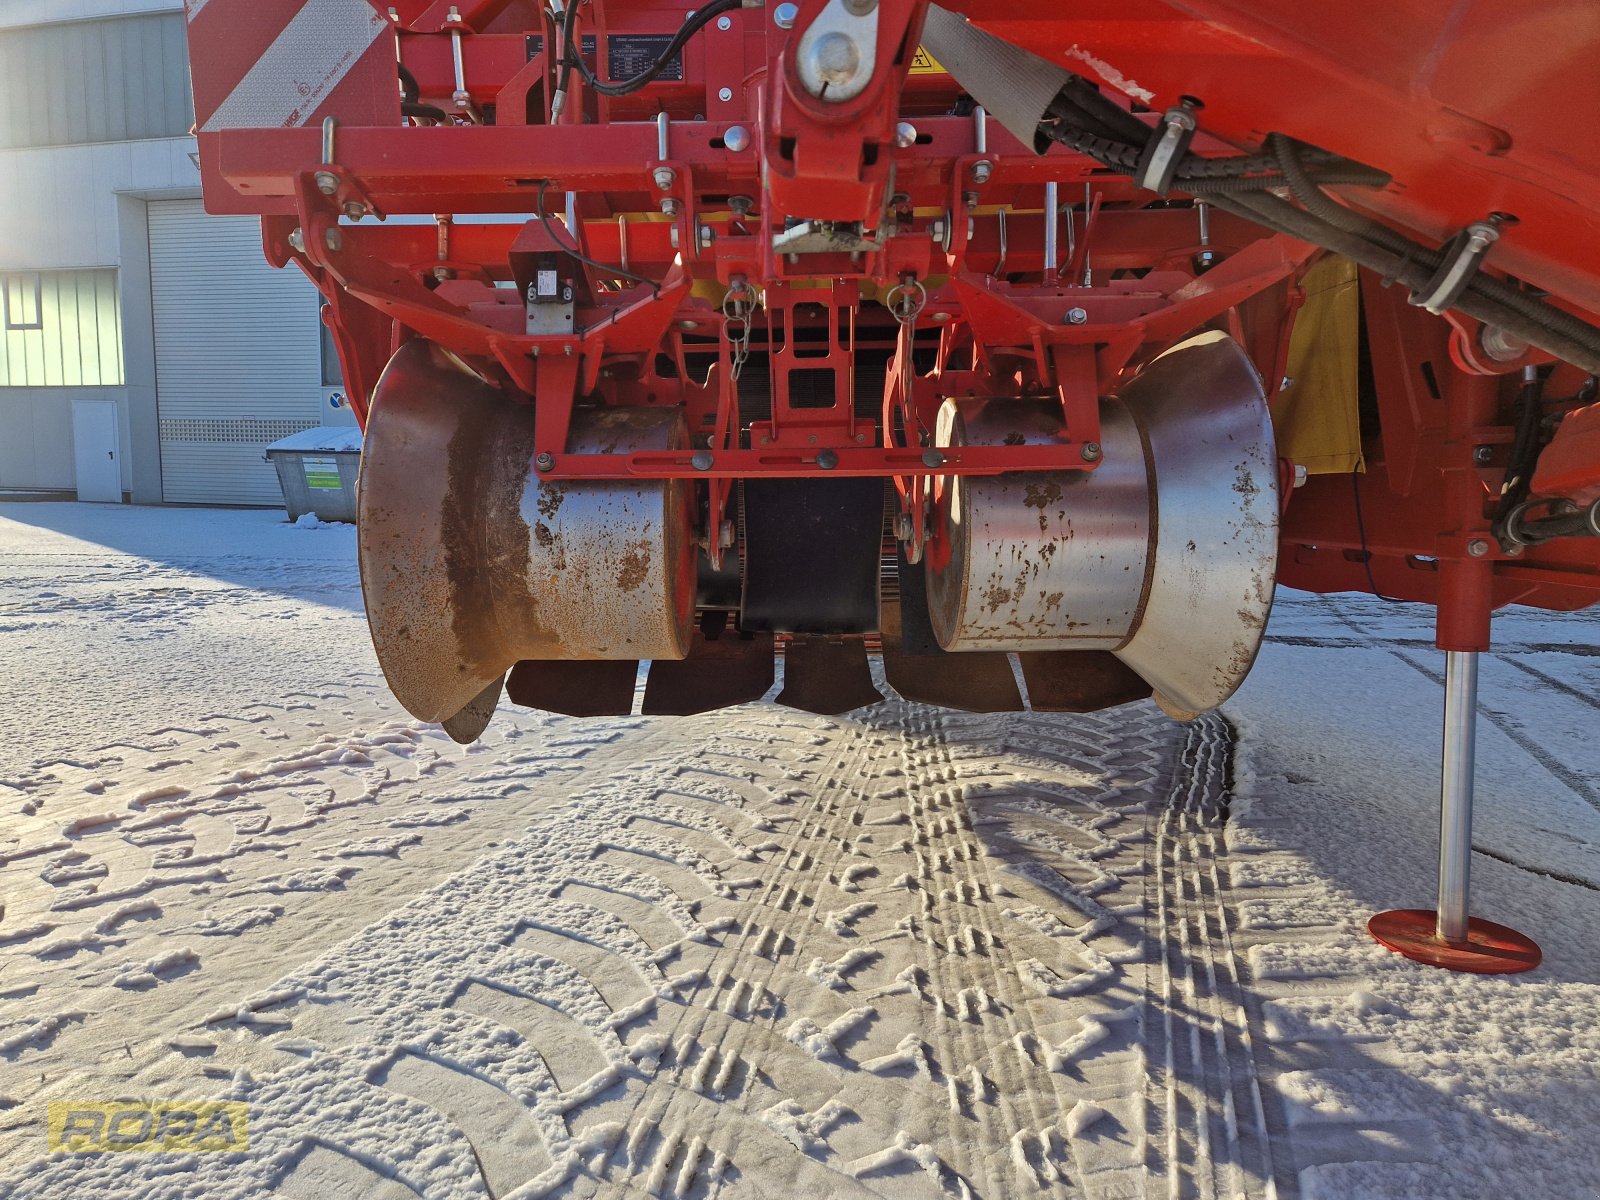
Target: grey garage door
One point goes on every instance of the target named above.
(237, 355)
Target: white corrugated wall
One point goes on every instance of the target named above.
(237, 355)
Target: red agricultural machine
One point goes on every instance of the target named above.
(1027, 345)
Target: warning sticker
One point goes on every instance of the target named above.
(322, 473)
(926, 64)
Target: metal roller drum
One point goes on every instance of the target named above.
(1166, 554)
(469, 569)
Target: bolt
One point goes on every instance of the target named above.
(783, 16)
(981, 170)
(327, 182)
(940, 316)
(701, 460)
(724, 23)
(354, 211)
(1477, 547)
(725, 535)
(707, 236)
(545, 461)
(297, 239)
(664, 177)
(724, 94)
(1483, 455)
(1090, 452)
(1076, 316)
(905, 135)
(903, 528)
(669, 205)
(1288, 382)
(932, 458)
(827, 460)
(859, 8)
(333, 239)
(737, 139)
(936, 229)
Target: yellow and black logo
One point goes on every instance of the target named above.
(146, 1125)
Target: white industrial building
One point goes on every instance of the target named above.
(148, 351)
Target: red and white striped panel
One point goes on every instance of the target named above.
(283, 63)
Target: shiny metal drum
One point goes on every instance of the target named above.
(1166, 554)
(470, 562)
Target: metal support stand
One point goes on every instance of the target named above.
(1450, 937)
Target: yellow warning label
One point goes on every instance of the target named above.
(926, 64)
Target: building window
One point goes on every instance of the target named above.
(61, 329)
(22, 297)
(114, 80)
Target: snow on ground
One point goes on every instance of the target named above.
(898, 953)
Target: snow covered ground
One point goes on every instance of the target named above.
(899, 953)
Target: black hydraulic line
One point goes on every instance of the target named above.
(1327, 224)
(1268, 210)
(570, 245)
(702, 18)
(1525, 448)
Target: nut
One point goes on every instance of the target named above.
(1477, 547)
(664, 177)
(545, 461)
(1077, 316)
(981, 170)
(1090, 452)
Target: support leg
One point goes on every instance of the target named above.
(1450, 937)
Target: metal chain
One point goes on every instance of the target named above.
(737, 306)
(906, 300)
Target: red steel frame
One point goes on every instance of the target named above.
(957, 215)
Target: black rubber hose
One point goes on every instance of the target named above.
(1524, 448)
(702, 18)
(1283, 217)
(1308, 191)
(1317, 202)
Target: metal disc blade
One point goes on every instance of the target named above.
(575, 689)
(1079, 681)
(827, 678)
(718, 673)
(980, 681)
(468, 724)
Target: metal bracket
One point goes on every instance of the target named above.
(1168, 143)
(839, 50)
(1462, 259)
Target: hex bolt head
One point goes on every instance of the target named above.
(664, 177)
(905, 135)
(784, 15)
(936, 229)
(545, 461)
(981, 170)
(1477, 547)
(1077, 316)
(327, 182)
(354, 211)
(297, 239)
(1483, 455)
(701, 460)
(932, 458)
(1090, 452)
(827, 460)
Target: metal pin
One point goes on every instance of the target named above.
(980, 130)
(1050, 220)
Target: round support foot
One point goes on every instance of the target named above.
(1489, 949)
